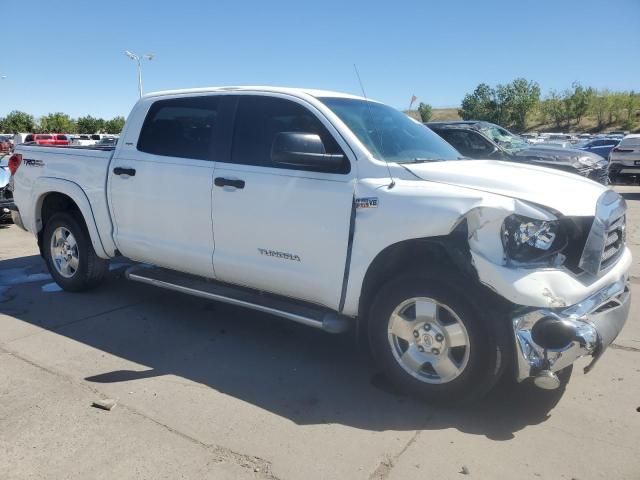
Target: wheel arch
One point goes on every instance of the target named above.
(418, 255)
(56, 195)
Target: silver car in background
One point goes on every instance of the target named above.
(624, 159)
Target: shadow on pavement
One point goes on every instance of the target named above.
(630, 195)
(296, 372)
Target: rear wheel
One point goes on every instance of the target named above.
(430, 340)
(70, 256)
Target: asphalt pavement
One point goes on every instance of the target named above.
(209, 391)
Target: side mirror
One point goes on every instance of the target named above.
(495, 153)
(303, 150)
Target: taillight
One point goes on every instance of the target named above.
(621, 150)
(14, 162)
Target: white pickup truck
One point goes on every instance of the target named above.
(335, 211)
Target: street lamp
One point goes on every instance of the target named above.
(138, 59)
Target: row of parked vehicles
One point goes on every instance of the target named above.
(7, 142)
(605, 159)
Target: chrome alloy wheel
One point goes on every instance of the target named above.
(64, 252)
(428, 340)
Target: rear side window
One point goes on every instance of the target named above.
(180, 127)
(28, 138)
(61, 137)
(260, 119)
(630, 142)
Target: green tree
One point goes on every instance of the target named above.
(426, 111)
(555, 107)
(507, 104)
(57, 122)
(599, 107)
(479, 105)
(577, 102)
(518, 99)
(89, 124)
(18, 122)
(116, 124)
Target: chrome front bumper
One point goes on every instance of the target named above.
(595, 322)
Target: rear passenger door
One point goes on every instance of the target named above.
(281, 229)
(160, 185)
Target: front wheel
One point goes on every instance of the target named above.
(71, 259)
(428, 338)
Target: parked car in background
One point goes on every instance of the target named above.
(84, 140)
(6, 196)
(19, 138)
(107, 142)
(482, 140)
(61, 139)
(5, 144)
(40, 139)
(601, 146)
(624, 159)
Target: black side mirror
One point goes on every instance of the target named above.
(303, 150)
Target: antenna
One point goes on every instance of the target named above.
(364, 94)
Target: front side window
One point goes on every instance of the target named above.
(259, 120)
(180, 127)
(469, 143)
(389, 134)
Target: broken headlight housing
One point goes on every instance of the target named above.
(528, 240)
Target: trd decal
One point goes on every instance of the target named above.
(367, 202)
(30, 162)
(283, 255)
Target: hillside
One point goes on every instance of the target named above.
(588, 124)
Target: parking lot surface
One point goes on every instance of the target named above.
(205, 390)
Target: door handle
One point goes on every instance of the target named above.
(228, 182)
(125, 171)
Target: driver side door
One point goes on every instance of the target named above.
(281, 228)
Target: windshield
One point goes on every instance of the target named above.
(504, 138)
(389, 134)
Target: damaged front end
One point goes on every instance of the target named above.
(548, 340)
(567, 279)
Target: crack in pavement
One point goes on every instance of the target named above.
(625, 348)
(385, 466)
(257, 465)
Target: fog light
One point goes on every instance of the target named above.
(551, 333)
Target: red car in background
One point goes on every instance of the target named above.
(40, 138)
(60, 139)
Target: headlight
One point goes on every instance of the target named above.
(529, 240)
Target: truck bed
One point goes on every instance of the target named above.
(86, 167)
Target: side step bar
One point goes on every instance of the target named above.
(306, 314)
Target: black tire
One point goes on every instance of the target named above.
(91, 268)
(487, 339)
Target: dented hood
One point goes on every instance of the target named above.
(567, 193)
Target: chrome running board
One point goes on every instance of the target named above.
(303, 313)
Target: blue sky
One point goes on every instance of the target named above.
(69, 56)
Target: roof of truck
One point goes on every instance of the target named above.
(262, 88)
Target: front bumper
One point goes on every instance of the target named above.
(595, 322)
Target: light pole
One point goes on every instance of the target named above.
(138, 59)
